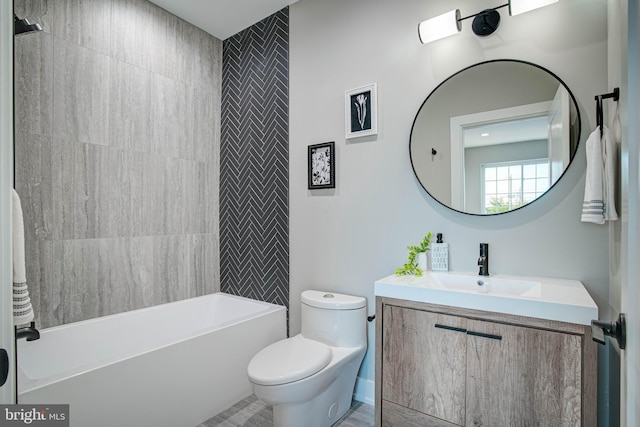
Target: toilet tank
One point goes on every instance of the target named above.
(335, 319)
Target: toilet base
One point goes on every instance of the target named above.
(322, 411)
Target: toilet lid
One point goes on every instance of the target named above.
(288, 360)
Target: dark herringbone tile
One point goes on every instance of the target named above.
(254, 162)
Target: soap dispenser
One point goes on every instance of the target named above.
(440, 255)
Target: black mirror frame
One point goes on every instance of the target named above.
(579, 126)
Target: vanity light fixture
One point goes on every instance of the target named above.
(484, 22)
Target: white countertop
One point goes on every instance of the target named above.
(551, 299)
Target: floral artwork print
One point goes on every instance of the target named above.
(361, 107)
(361, 111)
(321, 166)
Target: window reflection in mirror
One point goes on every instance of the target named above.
(508, 118)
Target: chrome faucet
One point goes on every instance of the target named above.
(483, 261)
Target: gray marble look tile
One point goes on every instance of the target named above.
(171, 117)
(206, 125)
(108, 183)
(63, 170)
(130, 32)
(203, 264)
(33, 184)
(81, 93)
(45, 297)
(84, 22)
(211, 211)
(129, 112)
(168, 196)
(201, 57)
(103, 276)
(33, 81)
(171, 268)
(35, 11)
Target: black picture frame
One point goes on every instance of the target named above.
(321, 170)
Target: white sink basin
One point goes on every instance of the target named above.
(488, 285)
(545, 298)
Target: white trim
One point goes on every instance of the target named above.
(457, 126)
(7, 392)
(365, 391)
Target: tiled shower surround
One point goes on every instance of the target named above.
(117, 157)
(254, 157)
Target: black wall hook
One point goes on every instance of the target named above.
(615, 95)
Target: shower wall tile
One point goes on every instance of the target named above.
(45, 296)
(83, 22)
(172, 116)
(118, 127)
(80, 94)
(130, 112)
(171, 255)
(34, 83)
(206, 125)
(33, 184)
(131, 32)
(63, 169)
(181, 259)
(39, 11)
(103, 276)
(254, 211)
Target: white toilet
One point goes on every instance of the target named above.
(309, 379)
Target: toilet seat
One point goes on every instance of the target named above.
(288, 360)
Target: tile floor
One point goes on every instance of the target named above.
(251, 412)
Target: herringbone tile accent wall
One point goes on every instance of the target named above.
(254, 162)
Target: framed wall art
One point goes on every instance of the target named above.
(322, 166)
(361, 111)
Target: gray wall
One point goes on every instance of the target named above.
(254, 162)
(117, 157)
(344, 239)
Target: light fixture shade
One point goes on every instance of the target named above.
(440, 26)
(516, 7)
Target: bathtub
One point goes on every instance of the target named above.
(172, 365)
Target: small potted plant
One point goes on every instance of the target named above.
(417, 259)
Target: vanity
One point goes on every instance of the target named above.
(458, 349)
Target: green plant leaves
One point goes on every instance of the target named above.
(411, 266)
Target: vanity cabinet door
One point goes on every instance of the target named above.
(424, 362)
(528, 377)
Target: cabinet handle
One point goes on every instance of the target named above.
(450, 328)
(480, 334)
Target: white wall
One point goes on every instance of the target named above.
(344, 239)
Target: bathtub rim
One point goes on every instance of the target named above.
(26, 384)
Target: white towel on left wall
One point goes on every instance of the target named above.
(22, 309)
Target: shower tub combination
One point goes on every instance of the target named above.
(172, 365)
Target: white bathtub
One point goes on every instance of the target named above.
(172, 365)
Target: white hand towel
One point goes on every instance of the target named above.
(22, 309)
(609, 157)
(593, 209)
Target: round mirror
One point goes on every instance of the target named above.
(494, 137)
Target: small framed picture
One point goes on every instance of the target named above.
(322, 166)
(361, 111)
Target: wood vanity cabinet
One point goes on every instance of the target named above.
(440, 366)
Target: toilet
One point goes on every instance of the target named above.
(309, 379)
